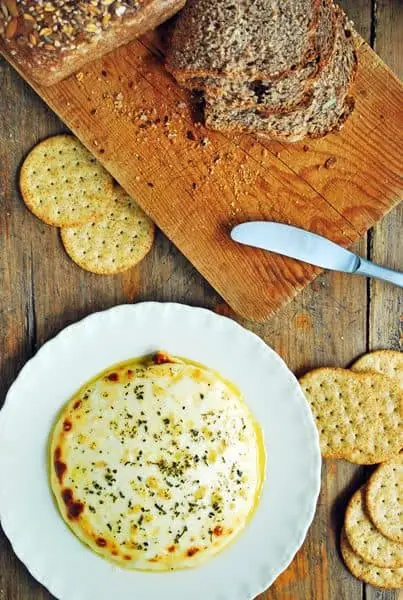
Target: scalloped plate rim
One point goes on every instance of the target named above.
(246, 591)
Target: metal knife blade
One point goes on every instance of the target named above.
(296, 243)
(311, 248)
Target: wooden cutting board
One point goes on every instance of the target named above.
(197, 184)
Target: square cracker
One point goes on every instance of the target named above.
(358, 415)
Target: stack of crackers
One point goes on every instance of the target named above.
(358, 413)
(372, 536)
(103, 230)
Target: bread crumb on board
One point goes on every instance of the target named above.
(330, 163)
(170, 120)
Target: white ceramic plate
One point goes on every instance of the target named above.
(29, 516)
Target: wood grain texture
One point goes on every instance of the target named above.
(385, 327)
(20, 238)
(330, 322)
(367, 170)
(386, 309)
(196, 184)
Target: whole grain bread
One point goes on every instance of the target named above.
(329, 108)
(283, 94)
(244, 39)
(50, 40)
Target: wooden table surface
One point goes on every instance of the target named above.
(333, 321)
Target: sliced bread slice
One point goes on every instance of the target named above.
(283, 94)
(328, 110)
(243, 39)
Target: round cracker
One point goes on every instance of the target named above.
(377, 576)
(115, 243)
(384, 498)
(358, 415)
(63, 184)
(388, 362)
(365, 539)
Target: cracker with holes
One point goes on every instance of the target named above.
(364, 537)
(388, 362)
(384, 498)
(358, 415)
(63, 184)
(114, 244)
(378, 576)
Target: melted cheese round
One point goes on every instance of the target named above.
(157, 466)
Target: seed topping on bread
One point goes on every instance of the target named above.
(59, 24)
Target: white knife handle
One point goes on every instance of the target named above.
(370, 269)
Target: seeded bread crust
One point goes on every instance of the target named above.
(283, 94)
(329, 109)
(51, 40)
(244, 40)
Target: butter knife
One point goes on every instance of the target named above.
(310, 248)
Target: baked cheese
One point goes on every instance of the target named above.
(157, 464)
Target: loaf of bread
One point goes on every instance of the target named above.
(282, 69)
(50, 39)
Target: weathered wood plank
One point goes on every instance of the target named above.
(386, 316)
(386, 239)
(386, 305)
(18, 300)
